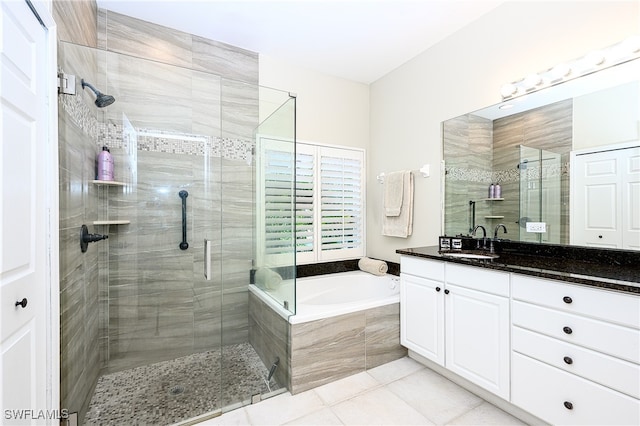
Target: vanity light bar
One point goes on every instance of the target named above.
(624, 51)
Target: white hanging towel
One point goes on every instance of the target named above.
(393, 191)
(401, 225)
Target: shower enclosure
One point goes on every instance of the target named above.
(157, 314)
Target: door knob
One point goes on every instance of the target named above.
(22, 303)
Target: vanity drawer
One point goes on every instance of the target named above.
(623, 309)
(611, 339)
(425, 268)
(478, 279)
(562, 398)
(612, 372)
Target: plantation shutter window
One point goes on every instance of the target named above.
(321, 213)
(341, 205)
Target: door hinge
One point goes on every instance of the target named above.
(66, 84)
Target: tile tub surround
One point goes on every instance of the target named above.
(332, 348)
(611, 269)
(172, 391)
(318, 352)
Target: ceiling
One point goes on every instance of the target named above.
(359, 40)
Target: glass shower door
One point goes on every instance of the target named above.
(540, 195)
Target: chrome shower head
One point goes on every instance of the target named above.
(102, 100)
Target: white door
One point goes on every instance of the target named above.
(23, 254)
(630, 179)
(606, 199)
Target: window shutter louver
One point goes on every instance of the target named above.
(341, 205)
(325, 203)
(278, 202)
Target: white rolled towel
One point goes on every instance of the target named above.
(268, 278)
(373, 266)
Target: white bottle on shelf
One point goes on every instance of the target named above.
(497, 191)
(492, 191)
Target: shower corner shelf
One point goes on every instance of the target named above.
(108, 182)
(111, 222)
(493, 199)
(494, 217)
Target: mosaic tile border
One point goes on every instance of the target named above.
(459, 174)
(112, 135)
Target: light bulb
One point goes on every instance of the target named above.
(594, 58)
(531, 81)
(508, 90)
(560, 71)
(631, 45)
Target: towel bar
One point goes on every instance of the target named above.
(424, 171)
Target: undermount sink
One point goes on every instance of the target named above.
(474, 256)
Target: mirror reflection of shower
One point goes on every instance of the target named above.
(102, 100)
(540, 194)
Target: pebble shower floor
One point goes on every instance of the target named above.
(173, 391)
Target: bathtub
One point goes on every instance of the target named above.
(351, 318)
(325, 296)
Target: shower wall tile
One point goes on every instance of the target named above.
(548, 128)
(149, 102)
(468, 156)
(76, 21)
(227, 61)
(206, 93)
(79, 273)
(142, 39)
(239, 109)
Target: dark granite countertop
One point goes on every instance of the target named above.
(612, 275)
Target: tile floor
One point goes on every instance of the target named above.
(402, 392)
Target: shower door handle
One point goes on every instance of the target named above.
(184, 194)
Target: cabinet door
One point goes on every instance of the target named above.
(422, 316)
(477, 336)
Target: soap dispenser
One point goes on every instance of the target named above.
(105, 165)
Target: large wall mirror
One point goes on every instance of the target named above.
(566, 159)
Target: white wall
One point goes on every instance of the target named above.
(330, 110)
(619, 107)
(398, 118)
(464, 73)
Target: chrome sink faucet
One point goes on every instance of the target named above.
(495, 237)
(484, 236)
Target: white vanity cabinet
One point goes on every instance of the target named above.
(458, 317)
(575, 352)
(422, 307)
(477, 326)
